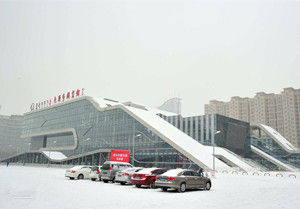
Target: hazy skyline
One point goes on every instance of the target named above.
(147, 51)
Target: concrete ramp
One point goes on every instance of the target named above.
(198, 153)
(272, 159)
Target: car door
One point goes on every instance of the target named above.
(188, 179)
(197, 180)
(86, 172)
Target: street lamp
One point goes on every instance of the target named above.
(84, 147)
(133, 145)
(213, 144)
(54, 142)
(29, 146)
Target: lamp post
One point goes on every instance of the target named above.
(213, 144)
(54, 142)
(28, 150)
(84, 148)
(133, 145)
(29, 146)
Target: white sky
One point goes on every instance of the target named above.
(147, 51)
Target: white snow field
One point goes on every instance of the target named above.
(24, 187)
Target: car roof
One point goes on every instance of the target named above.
(80, 166)
(116, 162)
(148, 170)
(175, 172)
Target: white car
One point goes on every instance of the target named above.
(94, 174)
(123, 177)
(79, 172)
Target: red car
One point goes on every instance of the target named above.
(146, 176)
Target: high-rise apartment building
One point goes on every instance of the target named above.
(280, 111)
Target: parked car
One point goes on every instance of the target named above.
(123, 177)
(110, 168)
(182, 179)
(146, 177)
(79, 172)
(94, 174)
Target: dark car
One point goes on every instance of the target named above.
(182, 179)
(146, 177)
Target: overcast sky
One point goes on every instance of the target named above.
(147, 51)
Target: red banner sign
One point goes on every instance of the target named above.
(57, 99)
(120, 155)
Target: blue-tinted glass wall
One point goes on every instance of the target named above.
(113, 129)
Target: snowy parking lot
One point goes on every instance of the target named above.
(47, 188)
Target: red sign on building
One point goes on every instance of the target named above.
(57, 99)
(120, 155)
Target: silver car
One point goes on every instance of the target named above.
(123, 177)
(182, 179)
(110, 168)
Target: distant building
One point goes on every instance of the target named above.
(10, 132)
(172, 105)
(280, 111)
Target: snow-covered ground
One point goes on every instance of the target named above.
(47, 188)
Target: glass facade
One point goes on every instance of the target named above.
(109, 129)
(10, 132)
(86, 135)
(234, 134)
(265, 143)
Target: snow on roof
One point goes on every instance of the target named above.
(116, 162)
(146, 170)
(103, 103)
(178, 139)
(158, 111)
(186, 144)
(77, 167)
(54, 155)
(173, 172)
(279, 138)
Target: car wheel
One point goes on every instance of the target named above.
(122, 183)
(105, 181)
(207, 186)
(138, 186)
(71, 178)
(182, 187)
(152, 185)
(93, 179)
(80, 176)
(164, 189)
